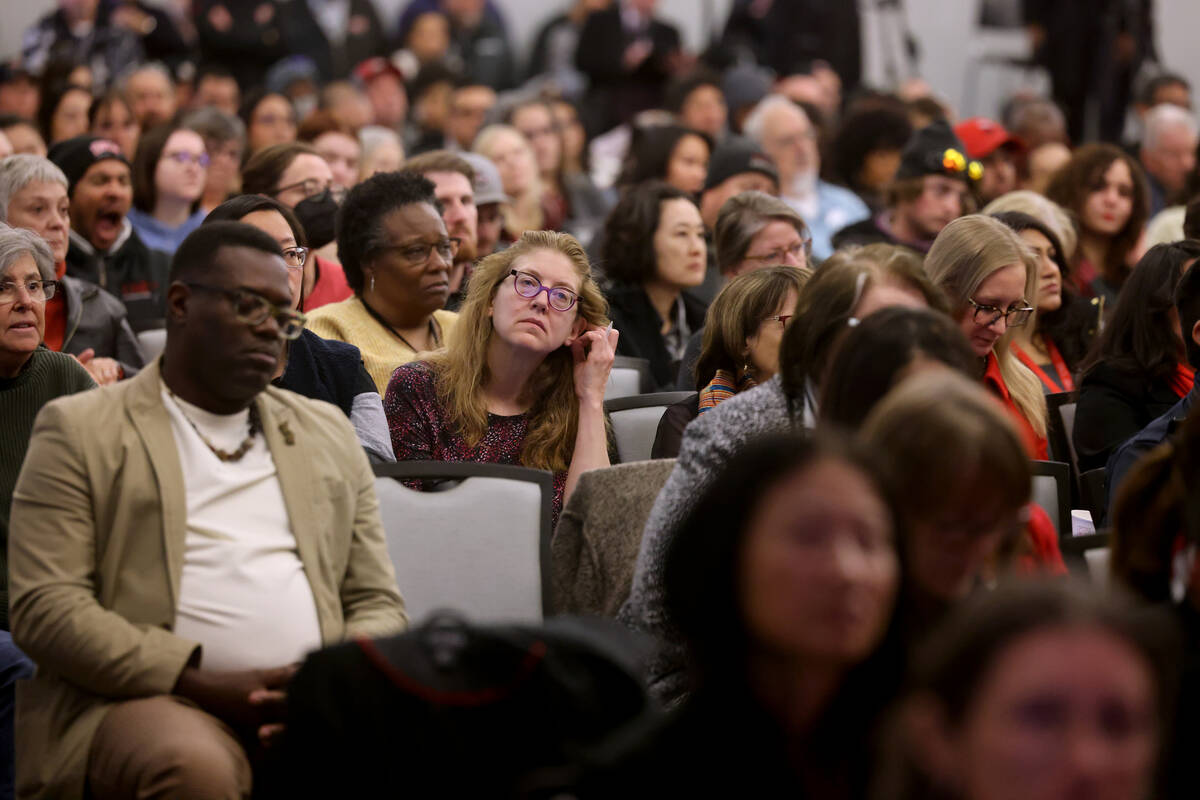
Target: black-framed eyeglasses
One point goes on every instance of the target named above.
(988, 315)
(39, 291)
(419, 252)
(529, 287)
(295, 257)
(254, 309)
(779, 254)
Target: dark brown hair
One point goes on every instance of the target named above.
(145, 163)
(262, 172)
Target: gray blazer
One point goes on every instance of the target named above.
(96, 320)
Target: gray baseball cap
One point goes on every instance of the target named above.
(488, 186)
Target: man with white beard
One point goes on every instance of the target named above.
(783, 131)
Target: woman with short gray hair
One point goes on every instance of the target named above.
(756, 230)
(81, 318)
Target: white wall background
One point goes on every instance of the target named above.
(944, 30)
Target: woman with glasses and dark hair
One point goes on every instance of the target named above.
(990, 277)
(522, 378)
(1138, 368)
(323, 369)
(653, 249)
(298, 177)
(169, 173)
(397, 257)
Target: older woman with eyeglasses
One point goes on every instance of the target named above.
(522, 379)
(298, 177)
(322, 369)
(30, 374)
(397, 258)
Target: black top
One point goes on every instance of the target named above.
(325, 369)
(134, 273)
(1114, 404)
(640, 327)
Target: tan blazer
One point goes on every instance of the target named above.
(96, 548)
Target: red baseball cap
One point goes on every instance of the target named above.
(372, 68)
(982, 137)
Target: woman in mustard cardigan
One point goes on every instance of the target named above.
(396, 254)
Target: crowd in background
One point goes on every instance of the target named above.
(219, 212)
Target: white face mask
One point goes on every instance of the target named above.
(305, 105)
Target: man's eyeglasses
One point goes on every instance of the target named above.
(254, 309)
(38, 291)
(295, 257)
(183, 159)
(419, 252)
(528, 286)
(798, 251)
(988, 315)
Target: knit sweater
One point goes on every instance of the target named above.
(45, 376)
(708, 444)
(382, 351)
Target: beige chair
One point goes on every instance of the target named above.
(596, 543)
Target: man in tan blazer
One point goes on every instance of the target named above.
(180, 540)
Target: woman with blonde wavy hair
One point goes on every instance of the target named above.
(990, 275)
(521, 380)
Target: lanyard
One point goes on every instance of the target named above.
(1056, 359)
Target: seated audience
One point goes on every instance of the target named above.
(110, 117)
(990, 276)
(30, 377)
(931, 188)
(698, 102)
(737, 166)
(382, 151)
(217, 88)
(105, 249)
(470, 107)
(652, 250)
(1106, 191)
(159, 669)
(1037, 690)
(851, 285)
(522, 378)
(224, 140)
(453, 180)
(742, 331)
(150, 90)
(997, 150)
(489, 202)
(1042, 163)
(513, 156)
(397, 257)
(270, 118)
(866, 151)
(81, 319)
(22, 135)
(787, 569)
(336, 142)
(169, 174)
(309, 365)
(63, 113)
(1128, 454)
(571, 203)
(297, 176)
(1168, 154)
(782, 129)
(1137, 369)
(673, 154)
(1061, 314)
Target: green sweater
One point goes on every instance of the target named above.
(46, 375)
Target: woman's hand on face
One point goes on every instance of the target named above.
(593, 351)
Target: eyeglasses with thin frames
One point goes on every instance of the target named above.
(987, 316)
(799, 251)
(39, 291)
(254, 309)
(419, 252)
(295, 257)
(529, 287)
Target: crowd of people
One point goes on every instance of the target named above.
(250, 250)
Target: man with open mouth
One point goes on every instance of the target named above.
(104, 247)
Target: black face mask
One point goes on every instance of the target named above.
(318, 215)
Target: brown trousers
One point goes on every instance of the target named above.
(165, 746)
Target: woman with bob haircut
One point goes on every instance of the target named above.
(990, 275)
(1106, 191)
(653, 249)
(1138, 368)
(780, 590)
(169, 173)
(1036, 690)
(1056, 342)
(744, 327)
(522, 378)
(848, 286)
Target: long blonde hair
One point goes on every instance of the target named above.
(963, 256)
(461, 368)
(523, 212)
